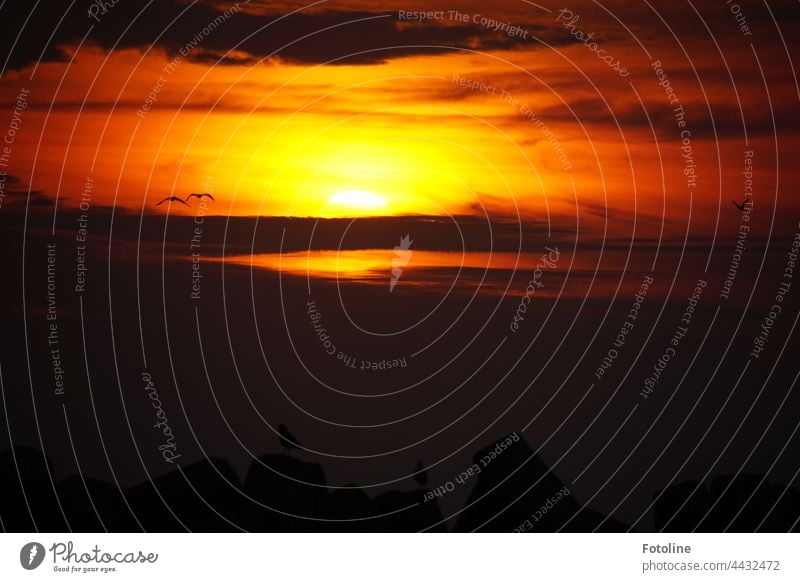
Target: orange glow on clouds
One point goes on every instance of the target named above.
(271, 138)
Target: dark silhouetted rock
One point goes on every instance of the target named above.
(544, 503)
(345, 508)
(92, 505)
(294, 489)
(680, 507)
(784, 517)
(735, 504)
(28, 500)
(416, 513)
(196, 498)
(730, 495)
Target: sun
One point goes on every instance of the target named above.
(355, 203)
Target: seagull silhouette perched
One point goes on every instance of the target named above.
(420, 474)
(172, 199)
(740, 206)
(200, 196)
(288, 440)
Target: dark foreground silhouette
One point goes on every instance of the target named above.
(512, 491)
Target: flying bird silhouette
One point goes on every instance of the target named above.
(172, 199)
(740, 206)
(288, 440)
(420, 474)
(200, 196)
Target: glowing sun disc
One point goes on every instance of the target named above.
(357, 200)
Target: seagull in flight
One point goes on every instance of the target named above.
(740, 206)
(172, 199)
(288, 440)
(200, 196)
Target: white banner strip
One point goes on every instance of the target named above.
(400, 557)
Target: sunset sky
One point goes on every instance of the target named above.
(493, 191)
(286, 109)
